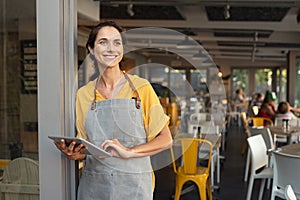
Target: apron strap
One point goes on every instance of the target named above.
(93, 107)
(137, 98)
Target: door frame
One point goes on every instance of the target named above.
(57, 61)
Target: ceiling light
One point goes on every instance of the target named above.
(186, 44)
(130, 10)
(227, 11)
(200, 56)
(220, 74)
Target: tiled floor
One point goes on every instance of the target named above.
(232, 186)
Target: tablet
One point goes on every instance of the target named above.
(91, 148)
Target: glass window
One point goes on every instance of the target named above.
(240, 80)
(281, 84)
(263, 80)
(178, 82)
(18, 80)
(297, 89)
(199, 81)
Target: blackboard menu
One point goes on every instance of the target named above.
(29, 66)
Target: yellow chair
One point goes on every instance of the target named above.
(189, 169)
(4, 163)
(259, 121)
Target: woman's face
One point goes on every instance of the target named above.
(108, 47)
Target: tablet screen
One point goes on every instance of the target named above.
(91, 148)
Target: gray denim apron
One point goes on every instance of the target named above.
(116, 178)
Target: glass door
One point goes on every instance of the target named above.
(18, 80)
(294, 79)
(297, 92)
(293, 93)
(19, 152)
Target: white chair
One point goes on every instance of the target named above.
(289, 193)
(259, 160)
(292, 122)
(20, 180)
(213, 130)
(286, 172)
(267, 136)
(235, 115)
(220, 120)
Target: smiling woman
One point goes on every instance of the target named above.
(119, 113)
(108, 48)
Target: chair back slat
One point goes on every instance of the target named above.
(289, 193)
(191, 148)
(258, 152)
(266, 134)
(259, 121)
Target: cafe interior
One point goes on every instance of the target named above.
(197, 55)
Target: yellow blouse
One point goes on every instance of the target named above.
(153, 114)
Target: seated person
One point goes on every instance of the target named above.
(239, 101)
(267, 109)
(295, 111)
(255, 104)
(239, 96)
(284, 111)
(258, 99)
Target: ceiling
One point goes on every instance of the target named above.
(250, 30)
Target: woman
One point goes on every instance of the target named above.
(121, 114)
(239, 102)
(257, 100)
(239, 96)
(267, 109)
(284, 110)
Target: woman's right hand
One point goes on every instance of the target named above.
(73, 151)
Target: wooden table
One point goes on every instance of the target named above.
(292, 149)
(279, 130)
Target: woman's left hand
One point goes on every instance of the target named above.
(117, 149)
